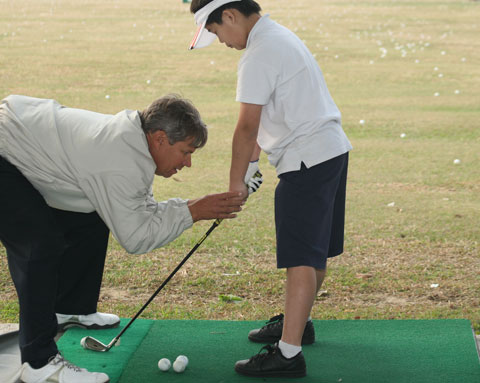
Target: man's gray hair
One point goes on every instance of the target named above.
(177, 117)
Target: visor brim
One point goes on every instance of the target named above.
(202, 38)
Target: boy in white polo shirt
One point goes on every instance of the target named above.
(286, 108)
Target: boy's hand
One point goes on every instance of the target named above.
(240, 188)
(255, 182)
(253, 177)
(251, 170)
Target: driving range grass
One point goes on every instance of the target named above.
(406, 77)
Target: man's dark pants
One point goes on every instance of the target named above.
(56, 261)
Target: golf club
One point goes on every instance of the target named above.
(95, 345)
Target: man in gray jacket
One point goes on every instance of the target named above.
(68, 177)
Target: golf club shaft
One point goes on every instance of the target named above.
(214, 225)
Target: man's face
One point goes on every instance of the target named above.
(169, 158)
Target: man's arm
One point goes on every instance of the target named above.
(141, 224)
(244, 145)
(212, 206)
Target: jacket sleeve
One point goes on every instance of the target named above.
(136, 220)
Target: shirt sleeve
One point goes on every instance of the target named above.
(256, 82)
(136, 220)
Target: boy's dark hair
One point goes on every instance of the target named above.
(245, 7)
(177, 117)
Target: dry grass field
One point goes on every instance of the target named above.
(406, 76)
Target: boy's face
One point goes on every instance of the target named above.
(232, 32)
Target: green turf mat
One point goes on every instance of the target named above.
(111, 362)
(410, 351)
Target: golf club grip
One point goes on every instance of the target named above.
(185, 259)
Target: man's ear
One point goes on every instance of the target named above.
(158, 137)
(162, 136)
(229, 16)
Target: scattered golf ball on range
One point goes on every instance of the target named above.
(164, 364)
(180, 363)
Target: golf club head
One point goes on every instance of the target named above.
(93, 344)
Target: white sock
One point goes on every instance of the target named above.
(289, 350)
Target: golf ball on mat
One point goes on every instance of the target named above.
(179, 365)
(82, 342)
(183, 358)
(164, 364)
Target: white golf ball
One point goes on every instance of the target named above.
(456, 161)
(183, 358)
(164, 364)
(179, 365)
(82, 342)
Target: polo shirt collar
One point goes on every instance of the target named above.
(257, 28)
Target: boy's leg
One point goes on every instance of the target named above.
(302, 287)
(34, 245)
(300, 294)
(320, 274)
(328, 220)
(331, 215)
(304, 215)
(81, 268)
(272, 331)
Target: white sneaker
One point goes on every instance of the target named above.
(58, 370)
(90, 321)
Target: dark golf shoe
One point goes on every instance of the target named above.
(272, 332)
(272, 364)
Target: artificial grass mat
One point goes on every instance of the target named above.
(111, 362)
(413, 351)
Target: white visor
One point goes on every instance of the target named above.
(204, 38)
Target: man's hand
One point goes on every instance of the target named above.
(214, 206)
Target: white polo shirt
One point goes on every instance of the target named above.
(84, 161)
(300, 121)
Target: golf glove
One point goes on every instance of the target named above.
(253, 177)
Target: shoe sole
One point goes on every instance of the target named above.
(273, 374)
(107, 381)
(67, 325)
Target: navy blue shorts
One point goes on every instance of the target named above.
(310, 214)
